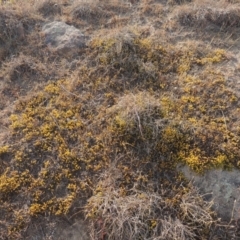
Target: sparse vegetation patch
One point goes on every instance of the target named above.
(99, 137)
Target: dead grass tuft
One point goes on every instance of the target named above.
(91, 11)
(179, 1)
(11, 32)
(25, 70)
(136, 214)
(49, 8)
(23, 67)
(205, 16)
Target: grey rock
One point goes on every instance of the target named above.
(223, 187)
(63, 38)
(77, 231)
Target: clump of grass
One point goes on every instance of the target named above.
(144, 61)
(23, 67)
(136, 214)
(164, 129)
(11, 31)
(90, 10)
(179, 1)
(97, 12)
(205, 16)
(49, 8)
(21, 73)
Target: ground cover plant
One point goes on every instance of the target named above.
(97, 138)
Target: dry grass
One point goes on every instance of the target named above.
(99, 13)
(12, 32)
(180, 1)
(49, 8)
(205, 15)
(104, 131)
(136, 214)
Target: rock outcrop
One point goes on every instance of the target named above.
(223, 187)
(63, 38)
